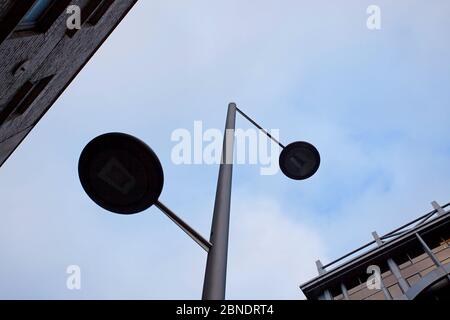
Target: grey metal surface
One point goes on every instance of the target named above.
(320, 269)
(345, 292)
(216, 265)
(437, 207)
(393, 266)
(260, 128)
(326, 295)
(386, 292)
(197, 237)
(377, 238)
(429, 279)
(428, 251)
(397, 274)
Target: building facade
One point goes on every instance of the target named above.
(411, 262)
(40, 55)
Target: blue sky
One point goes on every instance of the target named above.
(375, 103)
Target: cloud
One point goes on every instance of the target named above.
(270, 254)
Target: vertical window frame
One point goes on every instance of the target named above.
(9, 26)
(23, 99)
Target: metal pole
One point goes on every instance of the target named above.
(428, 251)
(393, 266)
(344, 290)
(216, 265)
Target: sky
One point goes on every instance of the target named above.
(375, 103)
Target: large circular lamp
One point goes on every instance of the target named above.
(121, 173)
(299, 160)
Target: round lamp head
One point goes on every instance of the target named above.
(299, 160)
(120, 173)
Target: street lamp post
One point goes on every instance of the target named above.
(123, 175)
(216, 264)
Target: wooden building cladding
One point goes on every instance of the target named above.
(40, 56)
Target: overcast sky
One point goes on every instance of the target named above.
(374, 102)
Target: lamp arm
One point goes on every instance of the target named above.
(259, 127)
(197, 237)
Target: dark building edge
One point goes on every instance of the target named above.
(68, 83)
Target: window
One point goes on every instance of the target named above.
(41, 16)
(37, 12)
(31, 17)
(13, 18)
(23, 99)
(92, 13)
(100, 11)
